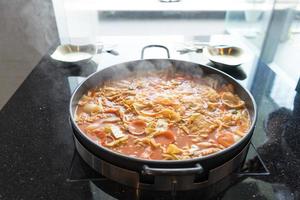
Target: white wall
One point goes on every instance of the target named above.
(27, 31)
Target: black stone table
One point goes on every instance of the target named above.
(36, 144)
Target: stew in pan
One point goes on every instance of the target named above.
(163, 116)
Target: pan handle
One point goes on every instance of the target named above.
(198, 169)
(155, 45)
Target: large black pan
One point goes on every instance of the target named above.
(160, 167)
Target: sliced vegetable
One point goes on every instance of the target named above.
(91, 107)
(201, 124)
(231, 100)
(225, 139)
(170, 114)
(143, 141)
(148, 113)
(116, 131)
(129, 100)
(169, 156)
(205, 144)
(139, 109)
(165, 137)
(173, 149)
(161, 125)
(193, 118)
(208, 151)
(240, 133)
(107, 129)
(107, 139)
(150, 128)
(137, 127)
(112, 110)
(84, 99)
(116, 142)
(185, 129)
(236, 137)
(166, 101)
(92, 126)
(213, 96)
(111, 120)
(153, 143)
(145, 118)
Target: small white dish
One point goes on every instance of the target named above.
(69, 53)
(225, 56)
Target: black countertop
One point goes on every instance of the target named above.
(37, 148)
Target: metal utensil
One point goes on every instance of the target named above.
(70, 53)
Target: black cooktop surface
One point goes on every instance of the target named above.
(38, 158)
(103, 188)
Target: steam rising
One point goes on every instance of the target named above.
(117, 72)
(171, 67)
(141, 67)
